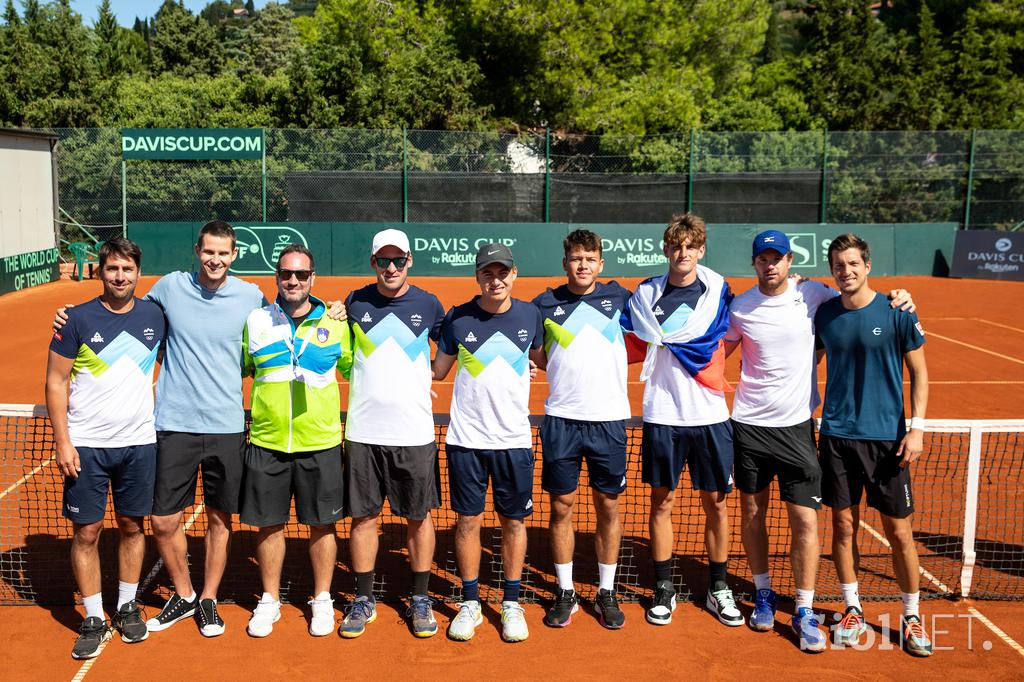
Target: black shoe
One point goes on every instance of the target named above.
(92, 633)
(129, 622)
(209, 621)
(663, 604)
(174, 610)
(607, 606)
(560, 614)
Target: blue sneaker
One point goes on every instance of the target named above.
(358, 614)
(805, 626)
(763, 617)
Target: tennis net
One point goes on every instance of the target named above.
(968, 527)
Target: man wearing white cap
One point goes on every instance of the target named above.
(390, 449)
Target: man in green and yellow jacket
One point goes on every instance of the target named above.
(292, 350)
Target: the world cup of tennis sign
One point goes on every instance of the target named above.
(192, 143)
(988, 254)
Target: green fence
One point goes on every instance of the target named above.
(630, 250)
(972, 178)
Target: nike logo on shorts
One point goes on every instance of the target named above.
(337, 510)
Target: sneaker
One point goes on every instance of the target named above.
(128, 621)
(607, 607)
(464, 625)
(209, 621)
(322, 622)
(763, 617)
(805, 626)
(92, 633)
(663, 605)
(722, 604)
(851, 627)
(421, 615)
(263, 618)
(174, 610)
(915, 640)
(560, 614)
(358, 615)
(513, 622)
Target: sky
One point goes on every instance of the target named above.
(127, 10)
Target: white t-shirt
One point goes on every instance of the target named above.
(778, 382)
(586, 353)
(672, 397)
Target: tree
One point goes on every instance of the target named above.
(183, 44)
(270, 41)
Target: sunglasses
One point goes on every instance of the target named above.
(399, 262)
(301, 275)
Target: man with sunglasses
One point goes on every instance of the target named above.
(494, 337)
(390, 449)
(292, 349)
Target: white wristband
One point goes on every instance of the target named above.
(917, 423)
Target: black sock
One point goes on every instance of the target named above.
(717, 578)
(364, 584)
(420, 582)
(662, 570)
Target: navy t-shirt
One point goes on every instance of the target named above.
(491, 395)
(865, 349)
(391, 339)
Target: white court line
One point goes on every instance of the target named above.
(84, 670)
(881, 538)
(997, 324)
(977, 348)
(26, 477)
(997, 630)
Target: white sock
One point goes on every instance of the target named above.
(763, 581)
(267, 598)
(606, 576)
(323, 596)
(190, 598)
(564, 573)
(910, 603)
(93, 605)
(126, 592)
(850, 595)
(804, 599)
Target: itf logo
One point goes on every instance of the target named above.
(259, 246)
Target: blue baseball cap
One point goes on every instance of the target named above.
(771, 239)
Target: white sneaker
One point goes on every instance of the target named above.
(464, 625)
(263, 618)
(513, 622)
(723, 605)
(322, 622)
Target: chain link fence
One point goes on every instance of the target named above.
(975, 178)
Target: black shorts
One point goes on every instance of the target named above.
(788, 452)
(407, 475)
(180, 456)
(127, 471)
(567, 442)
(850, 466)
(511, 471)
(708, 451)
(315, 479)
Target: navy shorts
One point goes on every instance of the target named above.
(511, 471)
(567, 442)
(707, 450)
(129, 471)
(850, 467)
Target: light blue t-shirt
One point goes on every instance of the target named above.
(199, 389)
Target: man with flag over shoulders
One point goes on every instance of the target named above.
(683, 316)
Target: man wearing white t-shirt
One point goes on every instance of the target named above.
(773, 429)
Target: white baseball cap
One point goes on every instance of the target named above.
(390, 237)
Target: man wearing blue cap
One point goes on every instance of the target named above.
(773, 428)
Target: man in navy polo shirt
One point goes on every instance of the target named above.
(99, 394)
(489, 438)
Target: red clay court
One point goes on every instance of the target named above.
(976, 370)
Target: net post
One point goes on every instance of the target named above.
(263, 172)
(970, 181)
(971, 509)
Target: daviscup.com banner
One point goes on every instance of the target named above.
(988, 254)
